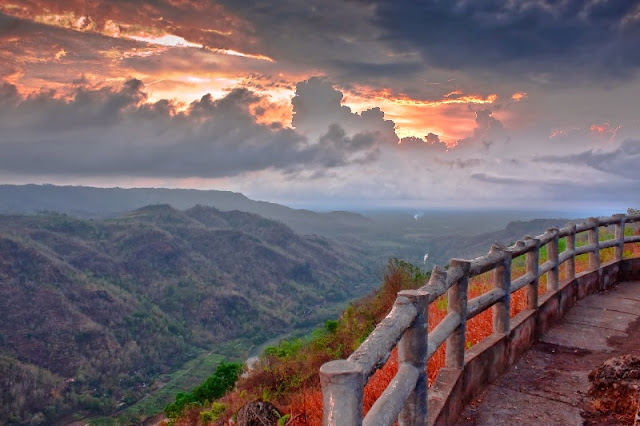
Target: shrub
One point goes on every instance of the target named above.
(223, 379)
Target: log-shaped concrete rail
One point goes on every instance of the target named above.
(408, 399)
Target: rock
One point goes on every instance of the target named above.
(258, 413)
(615, 386)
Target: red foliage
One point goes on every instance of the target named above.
(190, 416)
(379, 381)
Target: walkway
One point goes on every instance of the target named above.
(548, 385)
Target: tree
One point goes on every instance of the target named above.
(215, 386)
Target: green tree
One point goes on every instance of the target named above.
(215, 386)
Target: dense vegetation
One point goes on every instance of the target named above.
(95, 311)
(287, 374)
(215, 386)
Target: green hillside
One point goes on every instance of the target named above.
(94, 312)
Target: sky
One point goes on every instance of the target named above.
(332, 104)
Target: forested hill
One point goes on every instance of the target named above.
(94, 310)
(89, 202)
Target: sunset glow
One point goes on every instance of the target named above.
(165, 40)
(243, 55)
(519, 96)
(416, 117)
(413, 116)
(378, 100)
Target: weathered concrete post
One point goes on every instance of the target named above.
(619, 235)
(570, 265)
(532, 268)
(342, 385)
(457, 302)
(412, 349)
(594, 257)
(552, 256)
(502, 280)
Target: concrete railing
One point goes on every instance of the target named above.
(406, 398)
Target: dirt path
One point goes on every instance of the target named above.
(549, 385)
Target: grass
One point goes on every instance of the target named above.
(182, 380)
(185, 379)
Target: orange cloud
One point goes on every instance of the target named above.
(153, 31)
(454, 93)
(454, 97)
(447, 117)
(605, 130)
(232, 52)
(556, 133)
(187, 72)
(597, 131)
(518, 96)
(60, 54)
(67, 20)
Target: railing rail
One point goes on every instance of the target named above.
(405, 399)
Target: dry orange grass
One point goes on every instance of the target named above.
(480, 326)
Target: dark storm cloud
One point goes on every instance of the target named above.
(432, 138)
(317, 105)
(108, 132)
(333, 35)
(336, 139)
(598, 38)
(400, 69)
(431, 143)
(487, 130)
(622, 161)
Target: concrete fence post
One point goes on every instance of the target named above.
(594, 256)
(552, 256)
(342, 385)
(457, 302)
(413, 349)
(570, 265)
(532, 258)
(619, 235)
(502, 280)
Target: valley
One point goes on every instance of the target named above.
(96, 311)
(116, 314)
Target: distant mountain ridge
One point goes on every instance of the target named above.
(90, 202)
(92, 310)
(461, 246)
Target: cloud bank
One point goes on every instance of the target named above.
(561, 40)
(109, 132)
